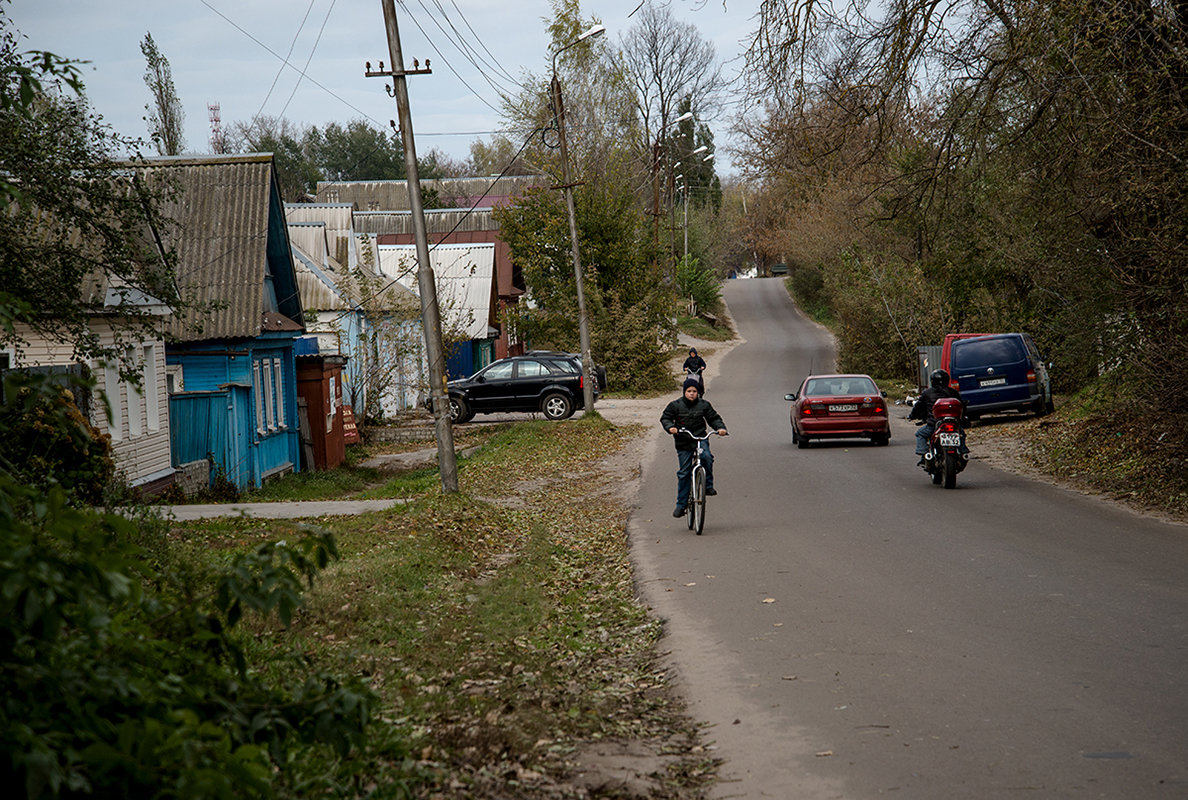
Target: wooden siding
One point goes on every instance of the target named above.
(140, 454)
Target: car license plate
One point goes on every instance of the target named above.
(992, 382)
(844, 407)
(950, 440)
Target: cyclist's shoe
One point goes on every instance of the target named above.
(711, 491)
(679, 511)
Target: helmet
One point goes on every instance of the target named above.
(939, 379)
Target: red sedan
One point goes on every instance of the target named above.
(839, 406)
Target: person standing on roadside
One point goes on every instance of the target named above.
(695, 414)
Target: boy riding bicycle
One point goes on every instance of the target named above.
(693, 412)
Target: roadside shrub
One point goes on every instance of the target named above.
(123, 672)
(47, 441)
(699, 283)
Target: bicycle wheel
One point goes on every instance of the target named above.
(698, 505)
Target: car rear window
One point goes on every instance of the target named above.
(973, 353)
(835, 387)
(564, 365)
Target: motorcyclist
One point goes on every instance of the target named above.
(938, 388)
(690, 411)
(695, 365)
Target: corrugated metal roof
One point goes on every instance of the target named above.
(339, 221)
(461, 192)
(465, 280)
(224, 210)
(437, 221)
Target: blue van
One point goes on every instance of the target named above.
(1000, 372)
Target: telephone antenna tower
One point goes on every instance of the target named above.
(217, 143)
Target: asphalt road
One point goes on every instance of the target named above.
(849, 630)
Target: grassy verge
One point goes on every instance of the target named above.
(499, 629)
(701, 329)
(1095, 440)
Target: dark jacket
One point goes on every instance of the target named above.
(923, 407)
(694, 364)
(680, 413)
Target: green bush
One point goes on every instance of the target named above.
(699, 283)
(123, 674)
(47, 441)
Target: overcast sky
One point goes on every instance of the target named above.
(233, 52)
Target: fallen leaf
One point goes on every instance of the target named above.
(769, 600)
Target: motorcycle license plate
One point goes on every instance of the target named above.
(950, 439)
(844, 407)
(992, 382)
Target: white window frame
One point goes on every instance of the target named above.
(135, 399)
(269, 399)
(279, 381)
(111, 388)
(258, 386)
(152, 394)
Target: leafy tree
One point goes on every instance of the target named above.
(166, 118)
(357, 152)
(69, 217)
(297, 169)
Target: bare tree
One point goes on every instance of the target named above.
(669, 63)
(166, 117)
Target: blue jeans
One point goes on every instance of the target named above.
(685, 472)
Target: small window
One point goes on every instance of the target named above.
(278, 378)
(269, 400)
(135, 400)
(111, 387)
(531, 369)
(258, 386)
(152, 397)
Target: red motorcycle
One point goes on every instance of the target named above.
(947, 454)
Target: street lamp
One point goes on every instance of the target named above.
(583, 320)
(685, 193)
(688, 115)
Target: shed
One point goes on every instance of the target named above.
(319, 384)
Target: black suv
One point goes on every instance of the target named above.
(543, 381)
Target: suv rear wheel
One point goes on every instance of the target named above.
(556, 406)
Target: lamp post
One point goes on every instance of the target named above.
(710, 157)
(583, 320)
(688, 115)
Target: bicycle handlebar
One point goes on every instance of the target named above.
(689, 433)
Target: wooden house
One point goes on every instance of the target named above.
(230, 361)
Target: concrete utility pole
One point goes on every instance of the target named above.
(430, 312)
(583, 320)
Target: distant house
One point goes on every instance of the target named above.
(354, 311)
(230, 364)
(466, 291)
(383, 211)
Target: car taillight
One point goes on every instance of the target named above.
(954, 384)
(805, 411)
(1031, 376)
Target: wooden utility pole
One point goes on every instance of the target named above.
(430, 311)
